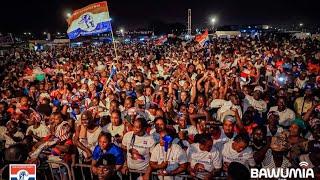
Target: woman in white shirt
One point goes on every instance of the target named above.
(169, 159)
(36, 129)
(204, 160)
(116, 127)
(138, 145)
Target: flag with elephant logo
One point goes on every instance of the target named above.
(90, 20)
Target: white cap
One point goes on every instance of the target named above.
(258, 88)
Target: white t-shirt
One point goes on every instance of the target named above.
(113, 130)
(218, 143)
(230, 155)
(210, 160)
(138, 150)
(259, 105)
(41, 131)
(285, 117)
(92, 138)
(175, 156)
(91, 141)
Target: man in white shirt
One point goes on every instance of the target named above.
(138, 145)
(225, 107)
(169, 159)
(204, 159)
(286, 115)
(238, 150)
(227, 133)
(255, 100)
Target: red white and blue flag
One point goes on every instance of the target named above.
(22, 172)
(90, 20)
(161, 40)
(202, 38)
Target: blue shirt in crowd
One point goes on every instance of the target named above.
(113, 150)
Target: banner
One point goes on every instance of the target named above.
(202, 38)
(90, 20)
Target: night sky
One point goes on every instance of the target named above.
(48, 15)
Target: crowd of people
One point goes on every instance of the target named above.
(178, 108)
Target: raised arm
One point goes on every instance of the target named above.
(79, 144)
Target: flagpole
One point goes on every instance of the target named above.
(114, 44)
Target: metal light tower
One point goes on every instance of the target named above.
(189, 21)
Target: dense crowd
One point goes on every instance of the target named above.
(179, 108)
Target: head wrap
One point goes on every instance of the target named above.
(299, 122)
(229, 118)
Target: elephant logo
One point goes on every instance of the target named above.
(86, 22)
(23, 175)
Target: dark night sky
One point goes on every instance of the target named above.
(48, 15)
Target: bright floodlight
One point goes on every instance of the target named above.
(301, 24)
(58, 33)
(68, 15)
(121, 30)
(44, 33)
(213, 20)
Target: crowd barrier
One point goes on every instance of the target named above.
(85, 169)
(59, 170)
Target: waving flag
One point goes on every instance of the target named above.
(90, 20)
(202, 38)
(112, 73)
(161, 40)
